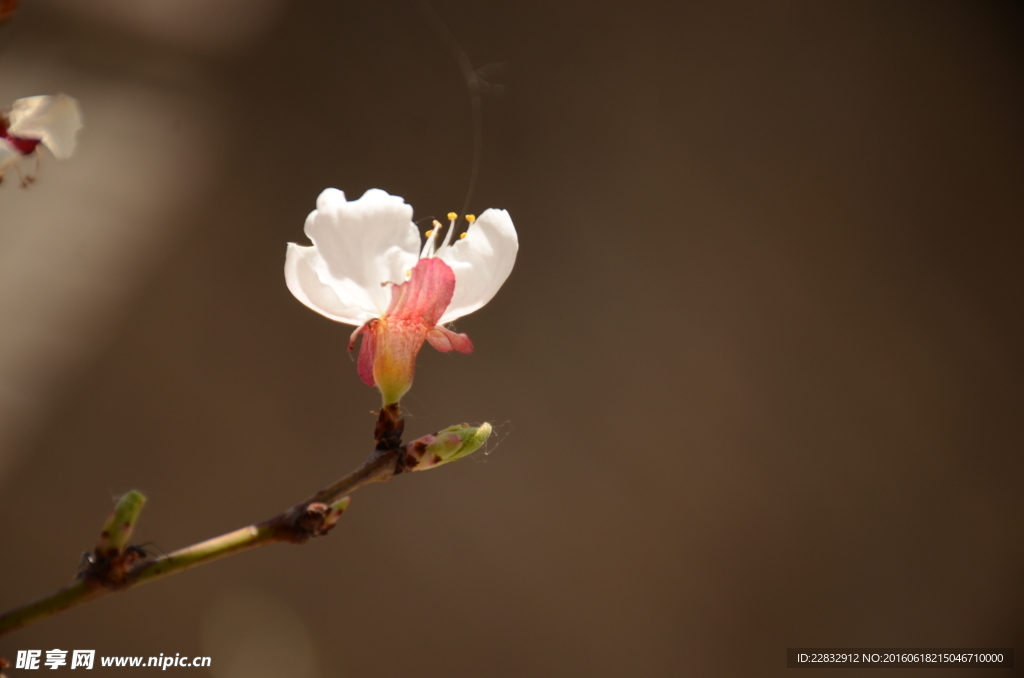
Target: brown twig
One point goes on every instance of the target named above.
(311, 518)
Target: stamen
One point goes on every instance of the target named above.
(471, 218)
(451, 229)
(429, 247)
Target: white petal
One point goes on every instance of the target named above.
(301, 266)
(481, 262)
(53, 119)
(365, 244)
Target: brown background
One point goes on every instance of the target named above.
(756, 377)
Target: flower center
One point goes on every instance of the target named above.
(430, 248)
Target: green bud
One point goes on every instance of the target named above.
(336, 511)
(120, 523)
(454, 442)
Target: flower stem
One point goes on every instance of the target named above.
(295, 525)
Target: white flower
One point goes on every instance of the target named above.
(52, 121)
(366, 268)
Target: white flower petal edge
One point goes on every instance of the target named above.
(358, 247)
(53, 119)
(481, 261)
(300, 273)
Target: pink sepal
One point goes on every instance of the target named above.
(387, 356)
(23, 145)
(444, 340)
(367, 351)
(426, 295)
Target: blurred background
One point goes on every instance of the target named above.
(756, 378)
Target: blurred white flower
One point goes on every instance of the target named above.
(366, 268)
(52, 121)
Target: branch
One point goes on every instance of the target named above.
(118, 569)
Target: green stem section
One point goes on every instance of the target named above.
(284, 527)
(71, 595)
(228, 544)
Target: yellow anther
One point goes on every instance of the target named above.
(430, 233)
(452, 216)
(437, 224)
(461, 236)
(471, 218)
